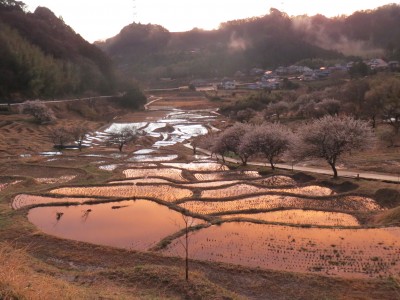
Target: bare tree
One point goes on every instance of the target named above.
(329, 106)
(384, 97)
(245, 115)
(78, 133)
(354, 91)
(388, 135)
(39, 111)
(60, 136)
(373, 106)
(277, 109)
(330, 137)
(123, 136)
(189, 221)
(272, 140)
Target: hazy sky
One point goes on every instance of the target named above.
(99, 19)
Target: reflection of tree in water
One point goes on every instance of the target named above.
(59, 215)
(85, 215)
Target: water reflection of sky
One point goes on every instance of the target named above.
(135, 225)
(183, 126)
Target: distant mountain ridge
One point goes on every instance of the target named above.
(43, 57)
(149, 51)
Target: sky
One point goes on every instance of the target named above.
(98, 19)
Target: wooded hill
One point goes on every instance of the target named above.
(151, 51)
(42, 57)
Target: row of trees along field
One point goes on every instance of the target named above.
(375, 99)
(326, 138)
(42, 57)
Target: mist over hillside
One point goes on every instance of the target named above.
(149, 51)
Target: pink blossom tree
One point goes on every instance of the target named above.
(330, 137)
(271, 140)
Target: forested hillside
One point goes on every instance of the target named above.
(42, 57)
(366, 33)
(149, 51)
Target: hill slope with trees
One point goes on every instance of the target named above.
(149, 51)
(42, 57)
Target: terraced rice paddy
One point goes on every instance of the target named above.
(346, 252)
(137, 225)
(269, 202)
(302, 217)
(23, 200)
(62, 179)
(162, 192)
(198, 166)
(277, 200)
(245, 189)
(266, 222)
(276, 181)
(170, 173)
(226, 175)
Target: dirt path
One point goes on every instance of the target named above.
(342, 173)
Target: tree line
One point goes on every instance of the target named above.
(326, 138)
(375, 99)
(42, 57)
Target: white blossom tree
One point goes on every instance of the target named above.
(330, 137)
(229, 141)
(39, 111)
(271, 140)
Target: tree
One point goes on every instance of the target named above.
(39, 111)
(123, 136)
(354, 92)
(133, 98)
(359, 69)
(373, 106)
(384, 98)
(277, 109)
(78, 133)
(189, 221)
(331, 137)
(272, 140)
(391, 103)
(60, 137)
(329, 106)
(12, 4)
(230, 139)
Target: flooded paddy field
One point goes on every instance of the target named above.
(272, 202)
(341, 252)
(294, 236)
(245, 189)
(271, 222)
(163, 192)
(24, 200)
(302, 217)
(136, 225)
